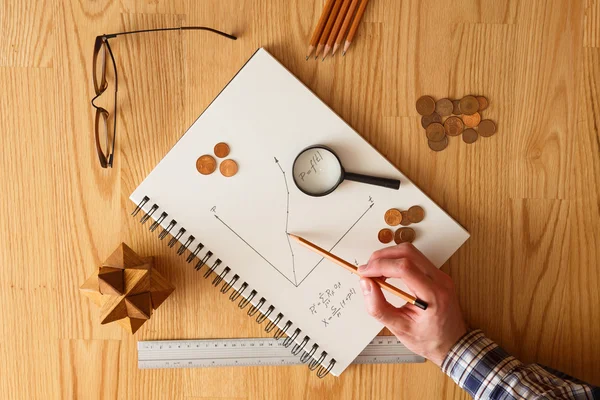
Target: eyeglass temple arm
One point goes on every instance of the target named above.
(183, 28)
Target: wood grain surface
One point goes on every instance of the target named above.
(528, 276)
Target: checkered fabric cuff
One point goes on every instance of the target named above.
(477, 364)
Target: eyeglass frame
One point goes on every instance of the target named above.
(101, 42)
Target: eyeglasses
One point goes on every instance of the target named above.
(105, 134)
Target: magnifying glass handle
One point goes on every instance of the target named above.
(373, 180)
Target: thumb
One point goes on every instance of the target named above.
(378, 307)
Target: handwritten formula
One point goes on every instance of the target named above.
(331, 303)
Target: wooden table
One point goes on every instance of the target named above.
(528, 276)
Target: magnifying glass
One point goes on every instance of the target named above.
(318, 171)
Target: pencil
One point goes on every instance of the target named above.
(330, 21)
(336, 27)
(354, 27)
(314, 40)
(342, 263)
(344, 28)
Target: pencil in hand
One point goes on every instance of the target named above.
(345, 264)
(314, 40)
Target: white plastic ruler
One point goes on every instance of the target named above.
(254, 351)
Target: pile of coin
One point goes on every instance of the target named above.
(206, 164)
(395, 217)
(446, 117)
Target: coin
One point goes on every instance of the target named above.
(404, 235)
(407, 235)
(456, 107)
(483, 103)
(487, 128)
(444, 107)
(435, 132)
(425, 105)
(405, 220)
(415, 214)
(221, 150)
(470, 136)
(393, 217)
(228, 168)
(206, 164)
(471, 121)
(385, 235)
(427, 120)
(453, 126)
(438, 146)
(469, 105)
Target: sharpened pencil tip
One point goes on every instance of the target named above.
(323, 59)
(343, 53)
(306, 58)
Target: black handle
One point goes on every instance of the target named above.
(373, 180)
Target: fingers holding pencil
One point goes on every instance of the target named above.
(345, 264)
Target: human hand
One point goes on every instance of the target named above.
(430, 333)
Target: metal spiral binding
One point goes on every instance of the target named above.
(307, 356)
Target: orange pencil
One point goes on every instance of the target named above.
(345, 264)
(336, 27)
(328, 26)
(314, 40)
(344, 28)
(354, 27)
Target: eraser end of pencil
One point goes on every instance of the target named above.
(421, 304)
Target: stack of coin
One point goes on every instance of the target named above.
(446, 117)
(206, 164)
(395, 217)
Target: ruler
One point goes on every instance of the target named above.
(254, 351)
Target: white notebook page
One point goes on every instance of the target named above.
(267, 117)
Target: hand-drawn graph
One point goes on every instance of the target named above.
(294, 280)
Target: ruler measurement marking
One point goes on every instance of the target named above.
(253, 352)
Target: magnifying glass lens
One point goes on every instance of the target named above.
(317, 171)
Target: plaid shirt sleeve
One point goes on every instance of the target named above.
(486, 371)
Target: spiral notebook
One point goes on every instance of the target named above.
(233, 230)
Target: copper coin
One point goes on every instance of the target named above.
(405, 220)
(483, 103)
(425, 105)
(438, 146)
(415, 214)
(407, 235)
(454, 126)
(435, 132)
(385, 235)
(444, 107)
(206, 164)
(471, 121)
(427, 120)
(487, 128)
(469, 105)
(470, 136)
(228, 168)
(404, 235)
(393, 217)
(456, 107)
(221, 150)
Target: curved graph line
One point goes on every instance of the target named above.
(287, 218)
(295, 281)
